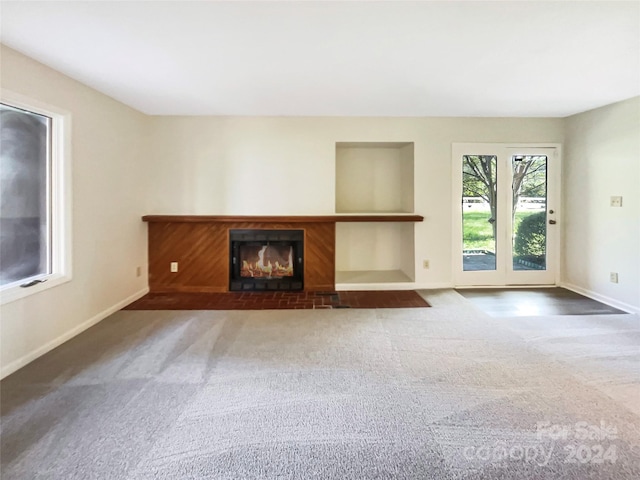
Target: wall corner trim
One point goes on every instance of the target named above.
(47, 347)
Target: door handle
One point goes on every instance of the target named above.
(552, 222)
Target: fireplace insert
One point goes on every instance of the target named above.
(266, 260)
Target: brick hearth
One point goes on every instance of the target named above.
(278, 300)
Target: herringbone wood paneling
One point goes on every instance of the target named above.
(320, 256)
(202, 253)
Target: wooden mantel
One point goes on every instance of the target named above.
(200, 246)
(282, 218)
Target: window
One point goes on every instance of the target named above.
(34, 197)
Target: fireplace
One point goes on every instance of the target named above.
(266, 260)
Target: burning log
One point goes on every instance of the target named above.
(271, 262)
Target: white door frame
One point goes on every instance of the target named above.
(504, 274)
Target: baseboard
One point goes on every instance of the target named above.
(600, 298)
(38, 352)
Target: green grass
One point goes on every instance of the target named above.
(478, 233)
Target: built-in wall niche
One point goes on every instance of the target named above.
(374, 177)
(374, 253)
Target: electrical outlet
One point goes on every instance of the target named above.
(425, 264)
(138, 271)
(613, 277)
(616, 201)
(174, 267)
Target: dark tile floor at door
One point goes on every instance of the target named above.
(508, 302)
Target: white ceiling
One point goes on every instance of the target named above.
(517, 58)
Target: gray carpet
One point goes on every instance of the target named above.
(442, 392)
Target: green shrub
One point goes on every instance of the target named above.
(531, 238)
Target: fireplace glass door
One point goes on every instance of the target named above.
(266, 260)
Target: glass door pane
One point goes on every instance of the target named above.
(479, 212)
(529, 212)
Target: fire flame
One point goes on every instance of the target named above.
(261, 270)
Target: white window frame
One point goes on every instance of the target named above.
(59, 198)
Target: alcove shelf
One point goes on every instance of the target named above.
(376, 178)
(373, 255)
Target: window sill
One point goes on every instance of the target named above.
(16, 292)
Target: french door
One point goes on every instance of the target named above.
(506, 214)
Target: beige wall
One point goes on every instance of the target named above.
(602, 159)
(110, 182)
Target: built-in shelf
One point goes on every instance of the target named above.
(379, 252)
(376, 179)
(370, 217)
(364, 251)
